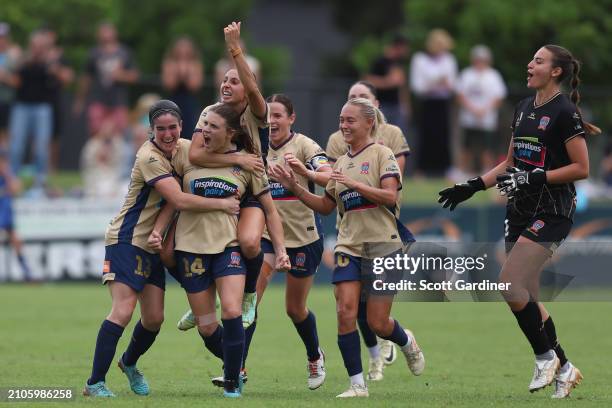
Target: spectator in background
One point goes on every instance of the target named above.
(101, 162)
(109, 70)
(480, 92)
(9, 187)
(432, 79)
(56, 56)
(226, 63)
(182, 78)
(32, 111)
(388, 77)
(9, 56)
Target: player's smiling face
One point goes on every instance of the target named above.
(362, 91)
(280, 122)
(540, 70)
(217, 137)
(166, 132)
(354, 126)
(232, 90)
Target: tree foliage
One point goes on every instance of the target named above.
(148, 27)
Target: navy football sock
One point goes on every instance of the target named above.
(233, 347)
(351, 352)
(253, 267)
(106, 345)
(141, 340)
(398, 335)
(307, 329)
(214, 342)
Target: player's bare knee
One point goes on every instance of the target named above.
(347, 317)
(152, 322)
(231, 312)
(121, 315)
(207, 328)
(297, 313)
(249, 244)
(381, 327)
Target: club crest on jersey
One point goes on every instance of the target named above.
(365, 168)
(536, 226)
(544, 121)
(300, 259)
(235, 259)
(236, 170)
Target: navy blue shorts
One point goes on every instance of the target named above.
(196, 272)
(346, 268)
(133, 266)
(305, 260)
(250, 201)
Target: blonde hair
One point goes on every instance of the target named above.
(438, 41)
(369, 111)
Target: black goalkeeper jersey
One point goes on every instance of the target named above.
(538, 141)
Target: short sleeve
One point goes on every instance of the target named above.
(259, 184)
(569, 124)
(314, 156)
(335, 147)
(153, 168)
(181, 160)
(388, 166)
(261, 123)
(397, 142)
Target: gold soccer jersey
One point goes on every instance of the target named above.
(257, 128)
(388, 135)
(361, 220)
(142, 203)
(212, 231)
(299, 222)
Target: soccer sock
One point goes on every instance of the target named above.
(357, 379)
(106, 345)
(27, 273)
(307, 330)
(530, 322)
(551, 332)
(214, 342)
(374, 352)
(369, 337)
(248, 336)
(233, 347)
(139, 344)
(398, 335)
(253, 267)
(351, 352)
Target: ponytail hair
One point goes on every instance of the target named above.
(232, 122)
(570, 68)
(369, 111)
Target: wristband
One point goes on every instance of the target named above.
(477, 183)
(537, 177)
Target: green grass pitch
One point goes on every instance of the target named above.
(476, 355)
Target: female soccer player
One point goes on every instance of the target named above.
(391, 136)
(239, 90)
(388, 135)
(364, 184)
(546, 155)
(303, 235)
(209, 257)
(131, 269)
